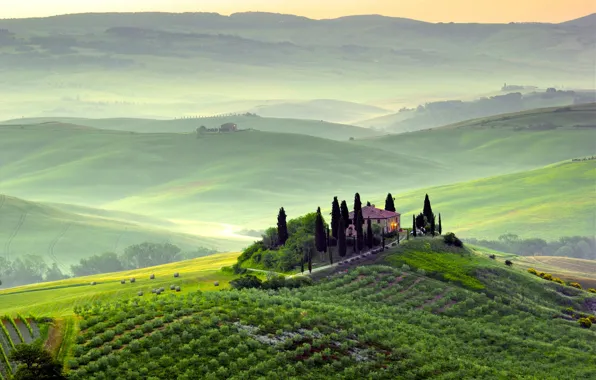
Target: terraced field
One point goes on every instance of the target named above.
(16, 331)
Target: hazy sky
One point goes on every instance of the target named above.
(428, 10)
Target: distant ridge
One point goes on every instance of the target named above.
(586, 21)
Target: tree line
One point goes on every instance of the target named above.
(31, 269)
(579, 247)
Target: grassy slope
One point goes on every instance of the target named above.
(315, 128)
(529, 204)
(67, 233)
(400, 312)
(182, 177)
(58, 298)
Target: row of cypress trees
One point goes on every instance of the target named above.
(427, 217)
(340, 220)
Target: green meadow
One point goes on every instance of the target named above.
(59, 298)
(547, 203)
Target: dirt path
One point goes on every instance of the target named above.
(55, 335)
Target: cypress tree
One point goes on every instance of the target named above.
(358, 221)
(335, 217)
(320, 238)
(369, 234)
(427, 210)
(309, 260)
(432, 226)
(440, 226)
(282, 227)
(389, 204)
(345, 214)
(383, 239)
(302, 265)
(329, 248)
(341, 239)
(414, 225)
(368, 204)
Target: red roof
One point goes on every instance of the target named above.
(375, 213)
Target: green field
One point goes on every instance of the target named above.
(66, 233)
(316, 128)
(379, 320)
(59, 298)
(528, 204)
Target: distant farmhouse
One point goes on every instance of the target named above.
(224, 128)
(389, 221)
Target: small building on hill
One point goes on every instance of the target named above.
(389, 221)
(228, 127)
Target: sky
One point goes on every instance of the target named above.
(486, 11)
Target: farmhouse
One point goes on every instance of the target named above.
(228, 127)
(388, 220)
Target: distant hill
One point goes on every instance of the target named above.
(440, 113)
(67, 233)
(241, 179)
(320, 109)
(588, 21)
(164, 65)
(315, 128)
(527, 204)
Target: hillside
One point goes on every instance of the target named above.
(66, 233)
(527, 204)
(316, 128)
(189, 180)
(441, 113)
(164, 65)
(375, 320)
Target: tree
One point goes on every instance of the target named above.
(54, 273)
(421, 221)
(149, 254)
(432, 226)
(329, 248)
(369, 234)
(34, 362)
(341, 239)
(335, 217)
(440, 226)
(320, 238)
(427, 210)
(389, 204)
(282, 227)
(414, 225)
(358, 221)
(368, 204)
(345, 214)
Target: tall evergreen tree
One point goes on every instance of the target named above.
(282, 227)
(345, 214)
(368, 204)
(302, 265)
(389, 204)
(335, 217)
(427, 210)
(432, 226)
(341, 239)
(358, 222)
(320, 238)
(414, 225)
(329, 247)
(310, 260)
(440, 226)
(369, 234)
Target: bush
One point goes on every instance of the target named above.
(451, 239)
(533, 271)
(548, 276)
(585, 323)
(576, 285)
(558, 281)
(508, 263)
(405, 267)
(592, 290)
(246, 282)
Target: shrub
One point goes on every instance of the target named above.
(576, 285)
(558, 280)
(592, 290)
(494, 257)
(548, 276)
(246, 282)
(405, 267)
(533, 271)
(508, 263)
(451, 239)
(585, 323)
(592, 318)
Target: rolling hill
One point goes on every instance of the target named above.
(66, 233)
(166, 65)
(528, 204)
(385, 316)
(316, 128)
(193, 181)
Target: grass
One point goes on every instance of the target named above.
(63, 234)
(59, 298)
(527, 204)
(316, 128)
(451, 264)
(567, 268)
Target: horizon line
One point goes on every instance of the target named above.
(296, 16)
